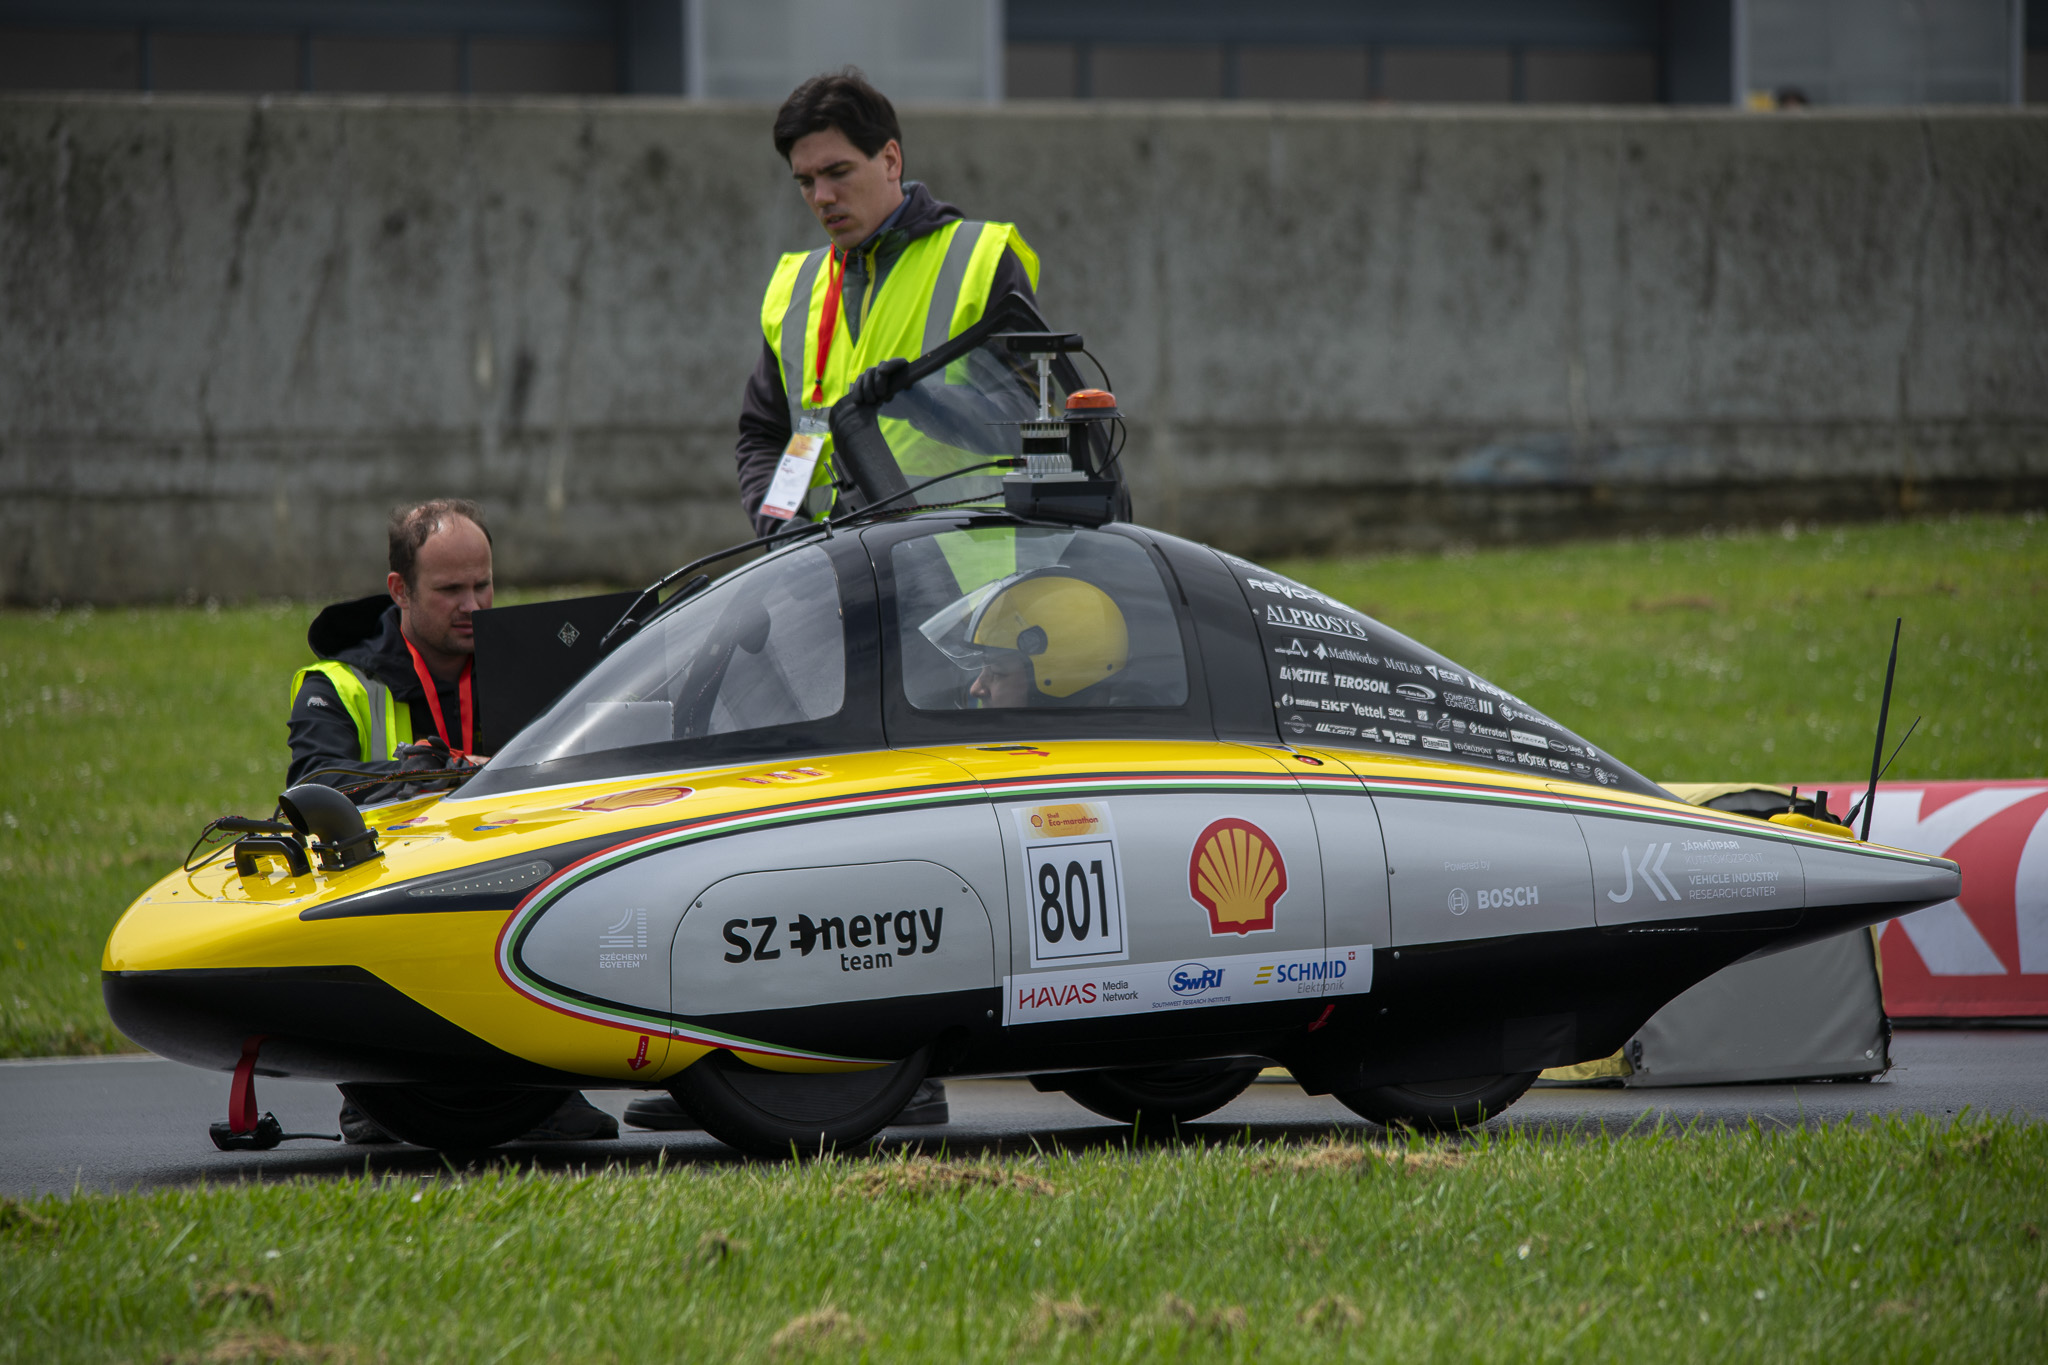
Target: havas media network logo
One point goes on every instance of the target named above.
(1236, 873)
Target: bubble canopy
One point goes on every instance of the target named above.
(974, 627)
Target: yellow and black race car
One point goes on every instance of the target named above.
(972, 778)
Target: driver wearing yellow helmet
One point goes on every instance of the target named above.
(1040, 638)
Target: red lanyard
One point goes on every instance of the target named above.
(828, 322)
(419, 666)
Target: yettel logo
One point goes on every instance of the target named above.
(1236, 873)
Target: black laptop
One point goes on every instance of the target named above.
(529, 655)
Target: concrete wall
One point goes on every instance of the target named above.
(233, 333)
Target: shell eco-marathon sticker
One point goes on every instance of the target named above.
(1147, 987)
(1236, 873)
(1073, 883)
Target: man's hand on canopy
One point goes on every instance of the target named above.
(879, 384)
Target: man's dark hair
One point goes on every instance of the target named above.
(838, 99)
(412, 527)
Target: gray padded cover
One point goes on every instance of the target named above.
(1809, 1012)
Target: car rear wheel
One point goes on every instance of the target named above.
(772, 1113)
(1438, 1106)
(454, 1117)
(1161, 1094)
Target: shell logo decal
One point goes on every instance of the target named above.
(1237, 874)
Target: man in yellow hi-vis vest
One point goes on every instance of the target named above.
(395, 670)
(395, 667)
(903, 273)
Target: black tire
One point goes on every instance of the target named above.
(455, 1117)
(1180, 1093)
(1438, 1106)
(771, 1113)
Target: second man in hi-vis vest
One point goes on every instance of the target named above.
(903, 272)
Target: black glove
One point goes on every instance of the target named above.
(423, 756)
(878, 385)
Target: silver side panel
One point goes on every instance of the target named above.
(1645, 871)
(824, 935)
(610, 936)
(1471, 870)
(1845, 876)
(615, 936)
(1356, 910)
(1151, 839)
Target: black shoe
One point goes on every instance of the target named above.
(660, 1113)
(927, 1107)
(577, 1120)
(359, 1129)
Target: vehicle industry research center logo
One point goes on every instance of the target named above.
(1236, 873)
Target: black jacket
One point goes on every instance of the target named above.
(363, 633)
(764, 412)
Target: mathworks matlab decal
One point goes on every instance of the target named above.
(1147, 987)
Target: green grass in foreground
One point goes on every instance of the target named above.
(1902, 1240)
(1757, 657)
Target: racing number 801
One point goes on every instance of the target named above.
(1064, 904)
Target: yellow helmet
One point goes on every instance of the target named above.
(1071, 631)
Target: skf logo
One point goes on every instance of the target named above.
(1193, 978)
(1236, 873)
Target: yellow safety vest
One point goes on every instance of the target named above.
(936, 289)
(382, 721)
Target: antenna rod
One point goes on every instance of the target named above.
(1884, 709)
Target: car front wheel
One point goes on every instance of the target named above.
(1438, 1106)
(1180, 1093)
(772, 1113)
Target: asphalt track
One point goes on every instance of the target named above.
(122, 1123)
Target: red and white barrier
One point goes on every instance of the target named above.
(1984, 954)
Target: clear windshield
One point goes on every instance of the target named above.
(761, 648)
(970, 411)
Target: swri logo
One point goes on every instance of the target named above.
(1312, 969)
(1193, 978)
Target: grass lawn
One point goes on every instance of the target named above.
(1757, 657)
(1901, 1240)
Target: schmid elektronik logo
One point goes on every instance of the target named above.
(1237, 874)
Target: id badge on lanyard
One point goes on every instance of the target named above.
(799, 463)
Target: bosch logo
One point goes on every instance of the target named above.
(1500, 898)
(1193, 978)
(1458, 901)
